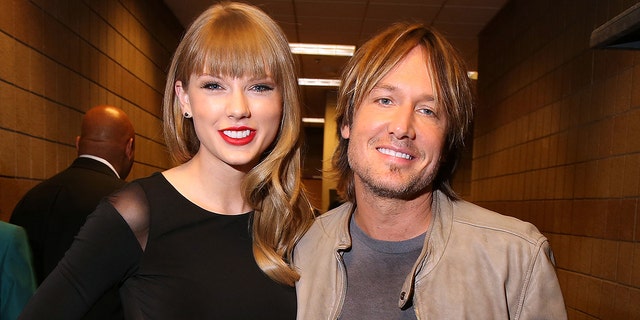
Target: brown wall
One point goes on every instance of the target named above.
(60, 57)
(557, 143)
(314, 191)
(557, 135)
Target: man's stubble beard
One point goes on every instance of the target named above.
(416, 184)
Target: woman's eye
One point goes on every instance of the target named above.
(212, 86)
(262, 88)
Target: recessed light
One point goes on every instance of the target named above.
(319, 82)
(313, 120)
(322, 49)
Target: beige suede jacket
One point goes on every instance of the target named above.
(475, 264)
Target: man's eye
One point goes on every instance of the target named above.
(426, 111)
(384, 101)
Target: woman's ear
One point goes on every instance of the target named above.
(183, 97)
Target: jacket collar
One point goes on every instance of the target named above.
(433, 249)
(103, 161)
(343, 241)
(94, 165)
(434, 246)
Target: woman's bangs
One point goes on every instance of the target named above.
(235, 57)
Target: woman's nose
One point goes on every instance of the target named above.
(238, 106)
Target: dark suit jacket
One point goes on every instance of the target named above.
(54, 210)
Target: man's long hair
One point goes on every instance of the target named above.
(373, 61)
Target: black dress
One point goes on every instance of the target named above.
(196, 264)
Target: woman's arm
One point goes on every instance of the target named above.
(104, 252)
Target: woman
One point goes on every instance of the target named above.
(211, 238)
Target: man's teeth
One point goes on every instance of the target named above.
(237, 134)
(395, 153)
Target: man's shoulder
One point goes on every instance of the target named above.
(334, 217)
(83, 171)
(71, 183)
(333, 224)
(78, 180)
(42, 194)
(336, 213)
(475, 216)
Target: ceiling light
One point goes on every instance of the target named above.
(322, 49)
(319, 82)
(313, 120)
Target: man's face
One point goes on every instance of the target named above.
(398, 132)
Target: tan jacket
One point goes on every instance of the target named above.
(475, 264)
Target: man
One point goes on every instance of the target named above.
(54, 210)
(405, 246)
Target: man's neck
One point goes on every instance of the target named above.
(393, 219)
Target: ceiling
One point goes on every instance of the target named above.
(353, 22)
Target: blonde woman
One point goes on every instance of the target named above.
(211, 238)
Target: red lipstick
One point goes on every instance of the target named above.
(238, 136)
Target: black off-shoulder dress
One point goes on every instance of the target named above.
(196, 264)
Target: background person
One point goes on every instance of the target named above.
(17, 282)
(54, 210)
(407, 247)
(211, 238)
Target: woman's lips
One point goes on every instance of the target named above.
(238, 136)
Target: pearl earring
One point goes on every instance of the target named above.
(187, 115)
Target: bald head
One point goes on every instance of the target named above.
(108, 133)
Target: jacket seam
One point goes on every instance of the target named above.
(499, 229)
(527, 279)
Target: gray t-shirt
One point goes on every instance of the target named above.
(376, 270)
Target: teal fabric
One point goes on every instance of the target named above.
(17, 281)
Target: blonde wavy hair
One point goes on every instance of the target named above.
(373, 61)
(237, 39)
